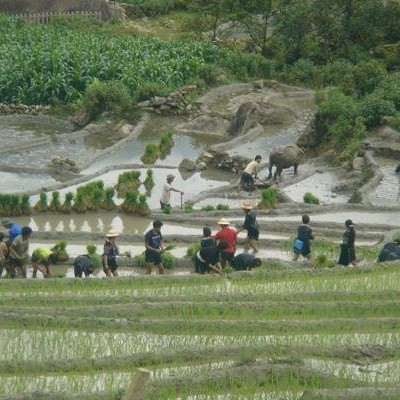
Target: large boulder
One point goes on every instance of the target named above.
(251, 113)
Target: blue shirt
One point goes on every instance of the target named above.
(153, 239)
(14, 231)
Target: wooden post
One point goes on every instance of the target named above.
(135, 390)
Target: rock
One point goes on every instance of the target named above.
(258, 84)
(64, 163)
(187, 165)
(201, 166)
(358, 163)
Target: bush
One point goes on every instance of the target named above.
(111, 96)
(148, 90)
(373, 107)
(309, 198)
(222, 207)
(207, 208)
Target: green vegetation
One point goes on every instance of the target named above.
(94, 256)
(127, 181)
(151, 153)
(309, 198)
(212, 328)
(60, 248)
(188, 207)
(269, 198)
(148, 183)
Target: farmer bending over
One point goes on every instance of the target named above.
(41, 259)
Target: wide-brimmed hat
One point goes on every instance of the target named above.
(112, 233)
(6, 221)
(246, 205)
(170, 176)
(223, 221)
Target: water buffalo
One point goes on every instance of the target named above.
(284, 157)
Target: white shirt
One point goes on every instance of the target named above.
(252, 168)
(166, 193)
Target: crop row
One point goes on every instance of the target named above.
(40, 64)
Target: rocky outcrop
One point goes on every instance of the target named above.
(251, 113)
(65, 164)
(218, 159)
(175, 103)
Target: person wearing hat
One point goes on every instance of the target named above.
(18, 257)
(250, 173)
(251, 225)
(41, 260)
(228, 235)
(13, 229)
(154, 244)
(110, 253)
(347, 248)
(166, 193)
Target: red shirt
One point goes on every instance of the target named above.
(228, 235)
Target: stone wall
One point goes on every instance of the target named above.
(32, 6)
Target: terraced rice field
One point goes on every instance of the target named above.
(275, 333)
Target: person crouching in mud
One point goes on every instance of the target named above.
(249, 174)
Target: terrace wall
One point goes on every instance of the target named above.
(107, 9)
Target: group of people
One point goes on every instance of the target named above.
(14, 255)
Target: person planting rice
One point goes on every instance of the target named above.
(42, 259)
(206, 241)
(13, 229)
(245, 262)
(83, 265)
(154, 244)
(110, 253)
(228, 235)
(18, 257)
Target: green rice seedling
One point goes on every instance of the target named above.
(41, 205)
(55, 203)
(188, 207)
(26, 208)
(169, 260)
(269, 198)
(207, 208)
(166, 143)
(67, 205)
(167, 209)
(151, 153)
(108, 202)
(130, 203)
(142, 208)
(222, 207)
(80, 202)
(192, 250)
(322, 261)
(309, 198)
(60, 248)
(149, 181)
(92, 252)
(15, 205)
(127, 181)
